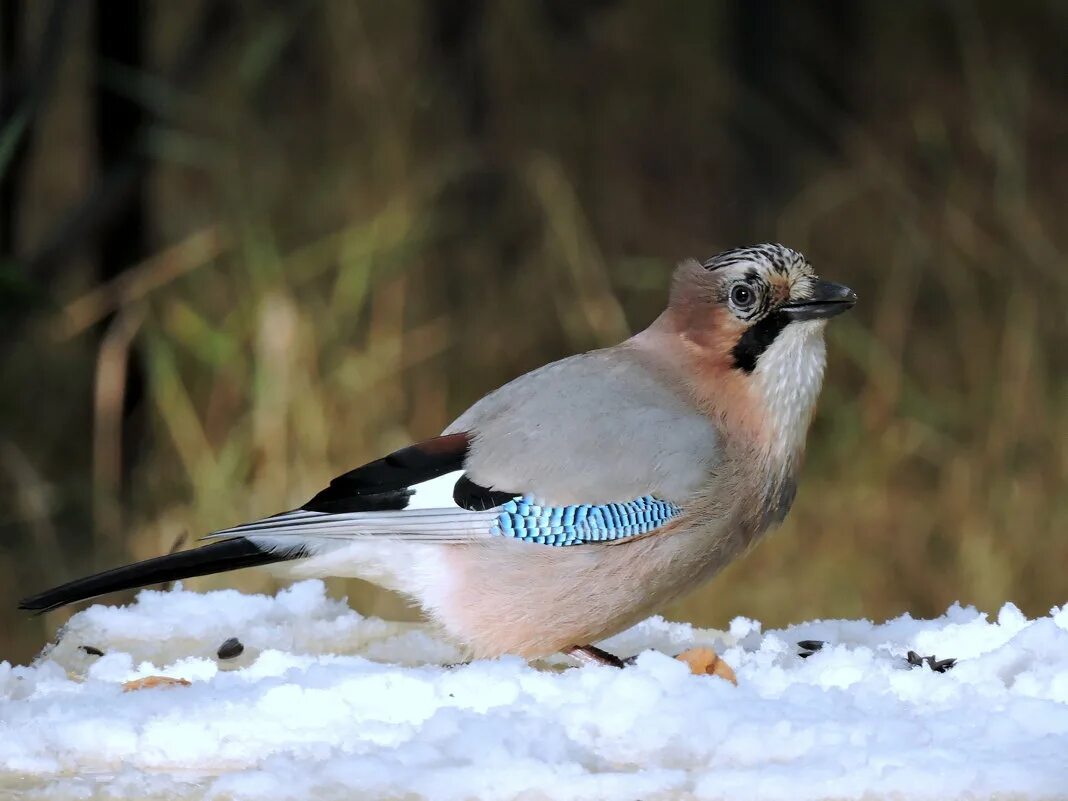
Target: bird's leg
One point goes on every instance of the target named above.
(702, 661)
(592, 655)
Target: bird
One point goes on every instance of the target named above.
(581, 497)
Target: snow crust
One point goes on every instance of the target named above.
(324, 703)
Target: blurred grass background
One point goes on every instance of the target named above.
(245, 246)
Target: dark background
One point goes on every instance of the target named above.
(245, 246)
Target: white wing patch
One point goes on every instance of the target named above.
(435, 493)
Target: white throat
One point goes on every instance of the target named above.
(789, 375)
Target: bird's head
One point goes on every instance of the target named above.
(751, 321)
(749, 300)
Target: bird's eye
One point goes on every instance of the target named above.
(743, 296)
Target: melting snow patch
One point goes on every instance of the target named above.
(321, 702)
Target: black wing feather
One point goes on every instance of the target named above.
(383, 483)
(476, 498)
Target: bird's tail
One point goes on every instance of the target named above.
(217, 557)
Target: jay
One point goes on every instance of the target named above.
(584, 494)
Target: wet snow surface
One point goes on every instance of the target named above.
(320, 702)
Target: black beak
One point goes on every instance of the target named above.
(827, 300)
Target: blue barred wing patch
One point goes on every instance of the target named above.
(524, 519)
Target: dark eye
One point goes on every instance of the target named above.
(743, 296)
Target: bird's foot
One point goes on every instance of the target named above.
(592, 655)
(701, 661)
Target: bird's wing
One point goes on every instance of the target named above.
(601, 427)
(592, 448)
(595, 448)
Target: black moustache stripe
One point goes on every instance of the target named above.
(756, 340)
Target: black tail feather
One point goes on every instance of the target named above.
(215, 558)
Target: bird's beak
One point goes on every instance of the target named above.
(827, 300)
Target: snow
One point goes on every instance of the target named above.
(324, 703)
